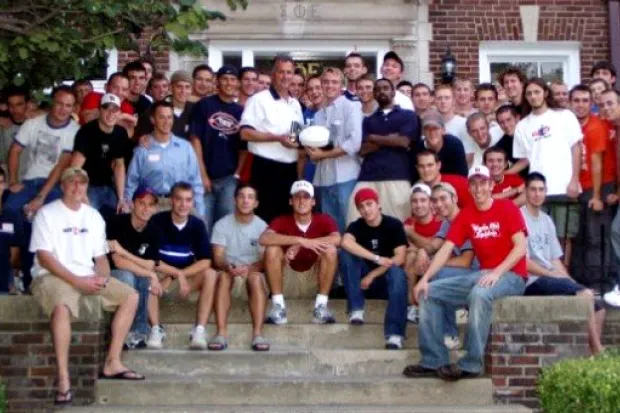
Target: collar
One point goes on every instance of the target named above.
(351, 96)
(47, 121)
(275, 94)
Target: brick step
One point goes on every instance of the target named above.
(180, 390)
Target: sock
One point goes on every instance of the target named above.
(320, 300)
(278, 299)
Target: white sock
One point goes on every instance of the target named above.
(278, 299)
(320, 300)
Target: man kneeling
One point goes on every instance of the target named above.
(69, 241)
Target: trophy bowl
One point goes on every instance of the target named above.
(314, 136)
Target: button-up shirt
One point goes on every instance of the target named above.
(343, 118)
(160, 166)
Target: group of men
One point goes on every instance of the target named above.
(432, 199)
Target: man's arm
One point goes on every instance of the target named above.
(13, 162)
(124, 263)
(417, 239)
(518, 166)
(52, 180)
(271, 238)
(196, 268)
(197, 145)
(54, 267)
(597, 176)
(517, 252)
(535, 268)
(368, 147)
(252, 135)
(219, 257)
(350, 245)
(440, 259)
(119, 177)
(558, 265)
(462, 261)
(573, 186)
(102, 266)
(392, 141)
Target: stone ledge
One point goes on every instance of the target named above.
(24, 309)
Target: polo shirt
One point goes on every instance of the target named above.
(389, 164)
(322, 225)
(8, 239)
(181, 248)
(269, 112)
(351, 96)
(451, 155)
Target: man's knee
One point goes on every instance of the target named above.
(586, 292)
(273, 252)
(480, 295)
(61, 310)
(210, 276)
(330, 254)
(255, 281)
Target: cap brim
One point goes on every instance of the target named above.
(432, 123)
(478, 176)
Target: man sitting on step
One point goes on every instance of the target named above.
(301, 255)
(185, 247)
(239, 257)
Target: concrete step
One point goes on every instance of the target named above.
(302, 336)
(300, 409)
(298, 311)
(175, 390)
(281, 362)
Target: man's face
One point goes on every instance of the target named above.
(463, 92)
(605, 75)
(513, 87)
(181, 91)
(249, 83)
(119, 86)
(479, 130)
(560, 95)
(160, 89)
(369, 210)
(264, 82)
(315, 92)
(597, 88)
(182, 202)
(354, 68)
(581, 104)
(422, 98)
(109, 115)
(480, 189)
(384, 93)
(610, 107)
(17, 108)
(331, 85)
(428, 168)
(420, 205)
(145, 207)
(302, 203)
(486, 101)
(496, 162)
(204, 83)
(246, 201)
(62, 107)
(508, 122)
(162, 119)
(74, 189)
(283, 75)
(137, 82)
(443, 202)
(535, 193)
(406, 90)
(434, 136)
(82, 90)
(444, 101)
(365, 90)
(228, 85)
(535, 96)
(296, 87)
(391, 70)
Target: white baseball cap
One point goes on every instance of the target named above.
(479, 170)
(420, 187)
(109, 98)
(305, 186)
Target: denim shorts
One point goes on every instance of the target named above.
(555, 286)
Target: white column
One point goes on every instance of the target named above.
(247, 57)
(112, 62)
(216, 58)
(380, 54)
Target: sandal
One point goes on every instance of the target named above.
(123, 375)
(260, 344)
(218, 343)
(66, 396)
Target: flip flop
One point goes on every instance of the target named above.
(67, 396)
(218, 343)
(123, 375)
(260, 344)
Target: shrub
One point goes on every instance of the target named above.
(587, 385)
(2, 398)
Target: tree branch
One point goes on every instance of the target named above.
(101, 36)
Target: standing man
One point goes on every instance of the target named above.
(117, 85)
(270, 120)
(264, 82)
(422, 98)
(507, 118)
(478, 128)
(17, 101)
(204, 82)
(497, 233)
(354, 68)
(604, 70)
(505, 185)
(428, 165)
(392, 70)
(248, 84)
(559, 90)
(513, 81)
(215, 137)
(365, 92)
(454, 124)
(136, 73)
(463, 93)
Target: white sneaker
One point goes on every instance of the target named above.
(453, 343)
(412, 314)
(394, 343)
(613, 297)
(356, 317)
(156, 338)
(198, 338)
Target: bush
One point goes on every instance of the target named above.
(2, 398)
(590, 385)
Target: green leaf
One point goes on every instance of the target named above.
(23, 53)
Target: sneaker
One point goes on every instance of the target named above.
(198, 338)
(412, 314)
(277, 315)
(452, 372)
(414, 371)
(613, 297)
(156, 338)
(356, 317)
(323, 315)
(452, 342)
(134, 342)
(394, 343)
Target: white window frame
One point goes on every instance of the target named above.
(566, 53)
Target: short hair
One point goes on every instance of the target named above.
(313, 77)
(446, 187)
(354, 55)
(615, 92)
(299, 72)
(149, 59)
(201, 68)
(160, 104)
(135, 66)
(242, 185)
(115, 75)
(474, 117)
(511, 71)
(579, 88)
(282, 58)
(368, 77)
(82, 82)
(422, 85)
(603, 65)
(247, 69)
(509, 107)
(494, 149)
(63, 89)
(181, 186)
(13, 90)
(443, 86)
(599, 80)
(427, 152)
(383, 79)
(404, 83)
(486, 87)
(535, 176)
(333, 71)
(557, 82)
(463, 80)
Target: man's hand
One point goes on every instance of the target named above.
(573, 189)
(184, 288)
(596, 204)
(115, 247)
(33, 206)
(319, 247)
(292, 252)
(90, 285)
(155, 287)
(612, 199)
(385, 262)
(422, 262)
(370, 277)
(144, 141)
(14, 188)
(420, 290)
(285, 140)
(489, 278)
(206, 182)
(240, 271)
(316, 154)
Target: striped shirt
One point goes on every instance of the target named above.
(181, 247)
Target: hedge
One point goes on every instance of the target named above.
(587, 385)
(2, 398)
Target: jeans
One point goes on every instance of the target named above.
(220, 201)
(450, 327)
(461, 291)
(615, 241)
(391, 286)
(140, 324)
(103, 199)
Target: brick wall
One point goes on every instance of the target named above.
(162, 62)
(462, 24)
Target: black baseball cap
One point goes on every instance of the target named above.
(143, 191)
(394, 56)
(227, 70)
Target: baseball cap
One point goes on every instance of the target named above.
(394, 56)
(432, 118)
(227, 70)
(366, 194)
(479, 170)
(73, 171)
(302, 186)
(110, 99)
(420, 187)
(445, 186)
(143, 191)
(181, 76)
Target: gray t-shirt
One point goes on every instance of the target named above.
(543, 245)
(457, 251)
(240, 240)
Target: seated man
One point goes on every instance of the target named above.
(184, 265)
(505, 186)
(374, 253)
(299, 248)
(239, 257)
(134, 244)
(69, 241)
(548, 276)
(497, 232)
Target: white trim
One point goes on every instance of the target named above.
(567, 53)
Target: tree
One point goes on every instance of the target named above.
(45, 41)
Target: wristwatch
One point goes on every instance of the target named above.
(376, 259)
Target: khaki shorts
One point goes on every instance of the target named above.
(300, 284)
(239, 289)
(50, 291)
(393, 198)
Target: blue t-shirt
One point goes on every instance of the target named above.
(390, 164)
(181, 248)
(8, 239)
(216, 124)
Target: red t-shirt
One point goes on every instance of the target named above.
(426, 230)
(321, 225)
(93, 101)
(596, 136)
(490, 233)
(461, 186)
(610, 157)
(510, 181)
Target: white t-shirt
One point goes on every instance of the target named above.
(45, 144)
(546, 141)
(479, 152)
(73, 237)
(403, 100)
(457, 126)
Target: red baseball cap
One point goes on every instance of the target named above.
(366, 194)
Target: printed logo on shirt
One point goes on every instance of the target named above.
(224, 122)
(374, 244)
(142, 249)
(490, 230)
(541, 133)
(75, 230)
(254, 242)
(7, 228)
(104, 150)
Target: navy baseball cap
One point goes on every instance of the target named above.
(227, 70)
(143, 191)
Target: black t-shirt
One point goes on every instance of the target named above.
(144, 244)
(100, 149)
(141, 106)
(451, 155)
(381, 240)
(506, 143)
